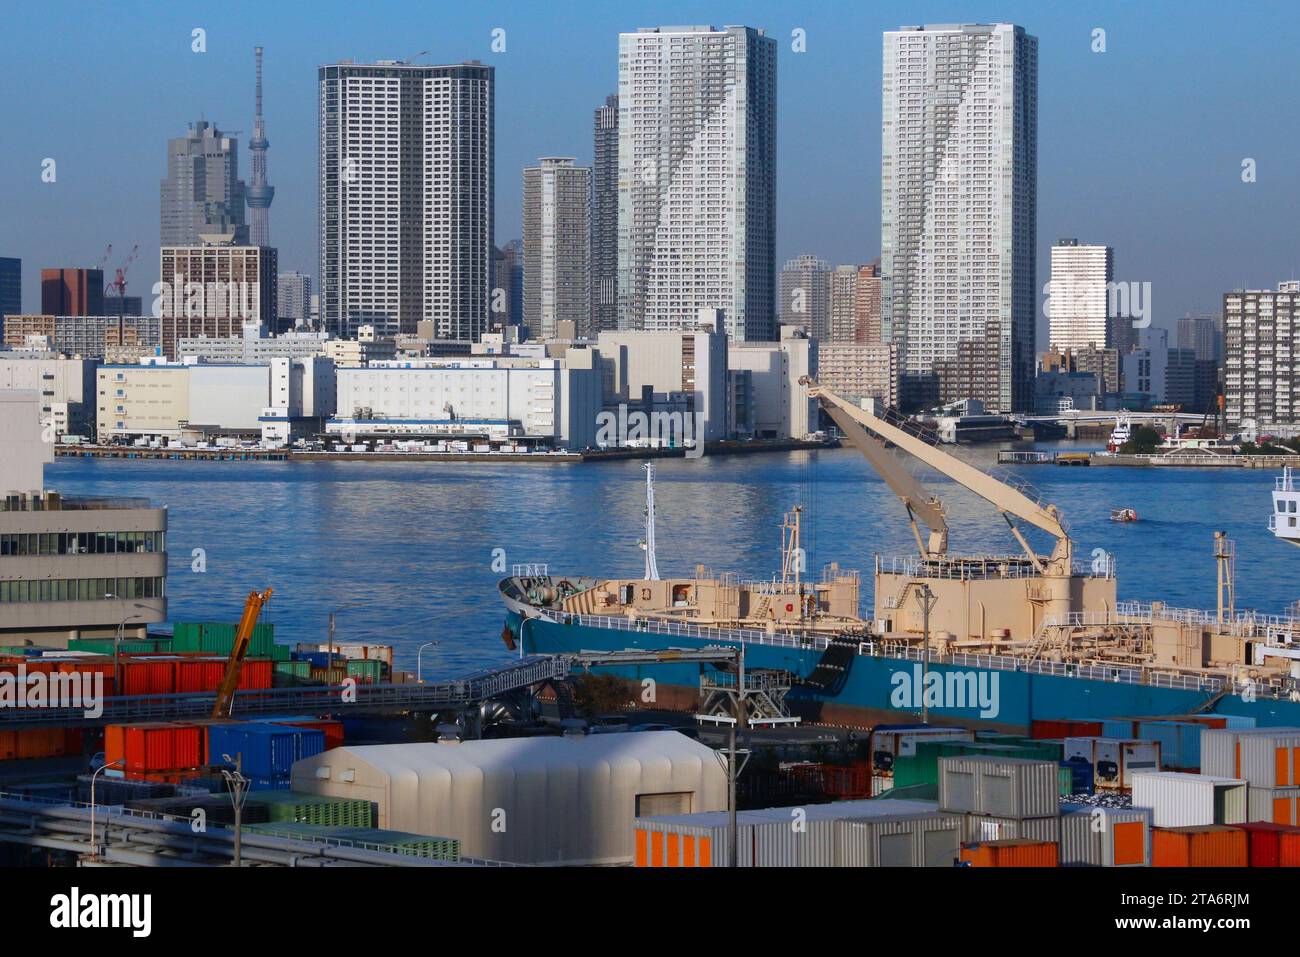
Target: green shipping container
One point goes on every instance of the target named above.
(128, 646)
(366, 669)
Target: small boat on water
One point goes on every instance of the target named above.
(1123, 515)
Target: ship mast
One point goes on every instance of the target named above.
(791, 554)
(651, 566)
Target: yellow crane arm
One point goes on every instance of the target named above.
(243, 635)
(1003, 497)
(918, 500)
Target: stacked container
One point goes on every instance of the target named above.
(1270, 762)
(1221, 748)
(1180, 742)
(156, 751)
(1114, 760)
(1002, 798)
(843, 834)
(1062, 728)
(268, 750)
(1214, 845)
(1178, 799)
(1105, 836)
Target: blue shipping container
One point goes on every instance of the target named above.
(268, 750)
(1180, 743)
(1121, 728)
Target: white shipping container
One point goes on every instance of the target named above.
(982, 827)
(1105, 836)
(1278, 805)
(1178, 799)
(1220, 754)
(1114, 760)
(1270, 760)
(922, 840)
(999, 787)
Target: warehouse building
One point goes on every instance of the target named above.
(550, 401)
(559, 800)
(65, 386)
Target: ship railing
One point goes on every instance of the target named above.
(1285, 482)
(1244, 624)
(979, 568)
(529, 570)
(1119, 674)
(654, 626)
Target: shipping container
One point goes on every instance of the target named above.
(1011, 853)
(1214, 845)
(1266, 842)
(291, 673)
(40, 743)
(998, 787)
(1220, 751)
(199, 674)
(332, 729)
(1064, 728)
(366, 670)
(977, 828)
(931, 839)
(153, 747)
(1114, 760)
(891, 742)
(145, 676)
(1289, 849)
(1179, 799)
(1270, 760)
(1273, 804)
(806, 836)
(1105, 836)
(268, 750)
(1180, 743)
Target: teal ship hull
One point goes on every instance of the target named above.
(875, 688)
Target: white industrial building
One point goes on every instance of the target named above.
(1078, 303)
(65, 388)
(555, 401)
(551, 800)
(193, 399)
(780, 407)
(254, 345)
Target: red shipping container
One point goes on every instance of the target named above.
(150, 747)
(8, 745)
(40, 743)
(199, 674)
(141, 676)
(188, 746)
(255, 674)
(1266, 842)
(1064, 728)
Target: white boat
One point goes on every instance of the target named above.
(1284, 523)
(1122, 432)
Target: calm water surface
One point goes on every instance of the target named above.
(406, 549)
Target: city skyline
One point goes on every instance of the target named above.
(1103, 173)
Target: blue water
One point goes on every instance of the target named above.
(407, 549)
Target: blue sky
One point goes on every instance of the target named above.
(1139, 147)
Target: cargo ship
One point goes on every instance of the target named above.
(1002, 640)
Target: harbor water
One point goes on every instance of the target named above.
(410, 553)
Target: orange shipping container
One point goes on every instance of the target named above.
(199, 674)
(1214, 845)
(1011, 853)
(141, 676)
(1289, 849)
(255, 674)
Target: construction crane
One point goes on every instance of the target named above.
(243, 635)
(1009, 501)
(103, 260)
(119, 284)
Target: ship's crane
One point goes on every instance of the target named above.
(1009, 501)
(917, 499)
(243, 635)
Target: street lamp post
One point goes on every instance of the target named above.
(419, 661)
(94, 844)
